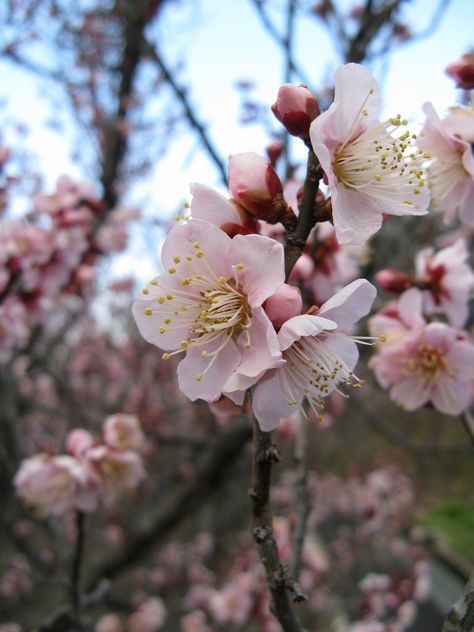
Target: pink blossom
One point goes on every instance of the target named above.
(123, 432)
(118, 469)
(434, 364)
(209, 305)
(54, 484)
(211, 206)
(451, 167)
(195, 621)
(149, 617)
(255, 185)
(78, 442)
(368, 170)
(231, 603)
(296, 107)
(462, 71)
(109, 623)
(318, 356)
(447, 281)
(333, 265)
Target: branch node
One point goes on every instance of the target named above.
(270, 455)
(262, 533)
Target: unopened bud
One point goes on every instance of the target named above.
(255, 185)
(283, 305)
(392, 280)
(462, 71)
(296, 108)
(274, 151)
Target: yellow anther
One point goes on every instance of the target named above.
(196, 244)
(154, 282)
(239, 266)
(161, 299)
(167, 321)
(188, 258)
(169, 297)
(247, 345)
(183, 308)
(148, 311)
(378, 178)
(416, 191)
(145, 290)
(186, 205)
(407, 202)
(176, 259)
(383, 338)
(199, 254)
(203, 354)
(183, 344)
(222, 280)
(198, 377)
(172, 270)
(198, 277)
(165, 357)
(162, 330)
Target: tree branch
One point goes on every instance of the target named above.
(280, 584)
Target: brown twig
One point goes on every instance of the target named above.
(180, 93)
(280, 584)
(468, 423)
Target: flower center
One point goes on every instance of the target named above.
(212, 309)
(428, 364)
(375, 161)
(314, 368)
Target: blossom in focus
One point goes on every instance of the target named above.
(209, 205)
(451, 167)
(296, 107)
(123, 432)
(370, 171)
(318, 356)
(209, 306)
(435, 364)
(255, 185)
(446, 281)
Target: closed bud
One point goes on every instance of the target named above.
(462, 71)
(283, 305)
(392, 280)
(255, 185)
(274, 151)
(296, 108)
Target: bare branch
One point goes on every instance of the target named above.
(198, 127)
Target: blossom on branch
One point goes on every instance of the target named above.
(370, 171)
(318, 356)
(451, 167)
(209, 306)
(434, 364)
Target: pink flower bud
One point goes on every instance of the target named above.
(274, 151)
(255, 185)
(296, 108)
(392, 280)
(462, 71)
(283, 305)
